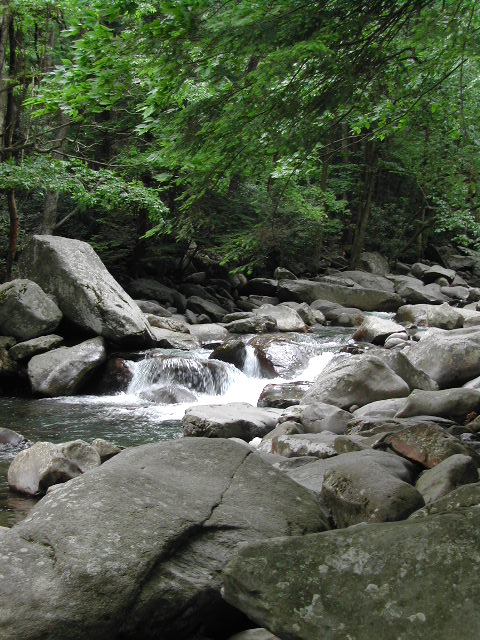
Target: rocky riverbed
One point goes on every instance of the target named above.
(327, 482)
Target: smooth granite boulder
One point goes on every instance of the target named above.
(448, 403)
(30, 348)
(26, 311)
(85, 291)
(319, 416)
(376, 330)
(410, 580)
(62, 371)
(287, 319)
(442, 316)
(232, 420)
(357, 380)
(450, 474)
(135, 548)
(403, 367)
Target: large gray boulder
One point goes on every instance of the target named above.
(448, 403)
(84, 290)
(356, 380)
(30, 348)
(154, 290)
(449, 357)
(44, 464)
(287, 319)
(319, 416)
(281, 354)
(232, 420)
(135, 548)
(442, 316)
(450, 474)
(403, 367)
(409, 580)
(418, 293)
(63, 371)
(26, 311)
(374, 262)
(376, 330)
(356, 296)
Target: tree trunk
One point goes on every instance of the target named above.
(50, 209)
(371, 156)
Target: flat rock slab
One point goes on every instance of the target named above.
(85, 291)
(448, 403)
(232, 420)
(30, 348)
(409, 580)
(134, 549)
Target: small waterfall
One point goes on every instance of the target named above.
(251, 366)
(211, 377)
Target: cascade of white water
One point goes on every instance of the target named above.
(251, 366)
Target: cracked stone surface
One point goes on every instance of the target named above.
(409, 580)
(135, 548)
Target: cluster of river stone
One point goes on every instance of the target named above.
(348, 508)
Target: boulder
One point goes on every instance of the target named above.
(167, 339)
(135, 548)
(105, 449)
(403, 367)
(418, 293)
(436, 271)
(379, 409)
(358, 492)
(85, 456)
(306, 313)
(252, 324)
(167, 394)
(35, 469)
(10, 437)
(448, 403)
(376, 330)
(115, 377)
(208, 334)
(287, 319)
(281, 273)
(282, 354)
(374, 262)
(153, 307)
(409, 580)
(26, 311)
(368, 280)
(84, 290)
(356, 380)
(63, 371)
(426, 443)
(319, 416)
(451, 358)
(456, 293)
(465, 496)
(254, 634)
(30, 348)
(154, 290)
(167, 323)
(448, 475)
(361, 298)
(426, 315)
(316, 445)
(203, 306)
(283, 395)
(418, 269)
(262, 287)
(232, 351)
(232, 420)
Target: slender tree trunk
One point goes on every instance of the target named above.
(50, 209)
(371, 157)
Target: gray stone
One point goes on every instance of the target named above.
(451, 358)
(380, 409)
(426, 443)
(287, 319)
(403, 367)
(308, 315)
(84, 290)
(167, 339)
(426, 315)
(283, 395)
(152, 289)
(35, 469)
(232, 420)
(10, 437)
(262, 287)
(209, 333)
(254, 634)
(376, 330)
(167, 394)
(448, 403)
(281, 273)
(85, 456)
(418, 269)
(358, 492)
(456, 293)
(62, 372)
(211, 309)
(361, 298)
(282, 354)
(461, 498)
(436, 271)
(135, 548)
(319, 416)
(26, 311)
(317, 445)
(409, 580)
(369, 280)
(105, 449)
(419, 293)
(252, 324)
(357, 380)
(153, 307)
(167, 323)
(374, 262)
(450, 474)
(29, 348)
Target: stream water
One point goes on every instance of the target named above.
(130, 419)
